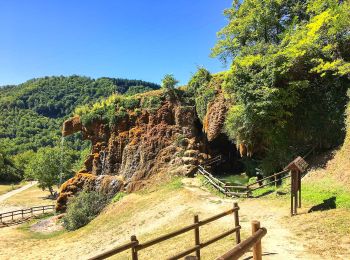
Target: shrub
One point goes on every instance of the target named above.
(151, 102)
(207, 95)
(137, 111)
(129, 102)
(199, 80)
(169, 82)
(83, 208)
(136, 90)
(118, 197)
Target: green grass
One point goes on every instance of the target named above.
(4, 188)
(210, 187)
(240, 179)
(174, 184)
(38, 235)
(318, 190)
(118, 197)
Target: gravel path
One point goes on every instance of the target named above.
(13, 192)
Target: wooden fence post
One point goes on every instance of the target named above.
(22, 214)
(299, 188)
(196, 237)
(257, 251)
(133, 249)
(236, 216)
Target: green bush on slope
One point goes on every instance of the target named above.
(83, 208)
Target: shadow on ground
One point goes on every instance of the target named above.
(325, 205)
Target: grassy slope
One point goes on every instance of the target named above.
(147, 214)
(159, 210)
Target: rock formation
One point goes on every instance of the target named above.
(215, 118)
(141, 145)
(71, 126)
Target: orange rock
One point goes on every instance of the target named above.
(71, 126)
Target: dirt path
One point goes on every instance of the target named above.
(279, 243)
(156, 213)
(13, 192)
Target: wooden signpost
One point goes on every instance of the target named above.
(297, 167)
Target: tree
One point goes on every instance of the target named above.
(47, 165)
(199, 80)
(289, 75)
(8, 171)
(169, 82)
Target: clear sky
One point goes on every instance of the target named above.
(134, 39)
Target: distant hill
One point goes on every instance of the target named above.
(31, 113)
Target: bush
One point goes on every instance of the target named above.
(129, 103)
(133, 90)
(169, 82)
(206, 96)
(118, 197)
(199, 80)
(83, 208)
(151, 102)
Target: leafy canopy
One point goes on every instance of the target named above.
(289, 75)
(169, 82)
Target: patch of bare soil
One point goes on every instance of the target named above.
(48, 225)
(280, 242)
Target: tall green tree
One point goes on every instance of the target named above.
(47, 165)
(289, 75)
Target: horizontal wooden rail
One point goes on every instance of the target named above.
(135, 246)
(266, 178)
(205, 244)
(269, 183)
(253, 241)
(213, 160)
(115, 251)
(237, 190)
(24, 212)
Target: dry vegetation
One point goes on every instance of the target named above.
(164, 208)
(33, 196)
(4, 188)
(147, 214)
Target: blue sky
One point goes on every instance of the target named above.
(129, 39)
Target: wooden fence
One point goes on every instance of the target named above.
(24, 213)
(254, 241)
(135, 246)
(241, 190)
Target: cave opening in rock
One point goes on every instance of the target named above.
(230, 163)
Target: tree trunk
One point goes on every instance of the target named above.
(51, 191)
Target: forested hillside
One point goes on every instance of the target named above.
(31, 114)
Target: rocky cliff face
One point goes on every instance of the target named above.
(141, 145)
(215, 118)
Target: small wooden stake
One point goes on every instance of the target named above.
(299, 187)
(257, 251)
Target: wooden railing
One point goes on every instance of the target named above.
(221, 186)
(254, 241)
(136, 246)
(23, 213)
(213, 160)
(242, 190)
